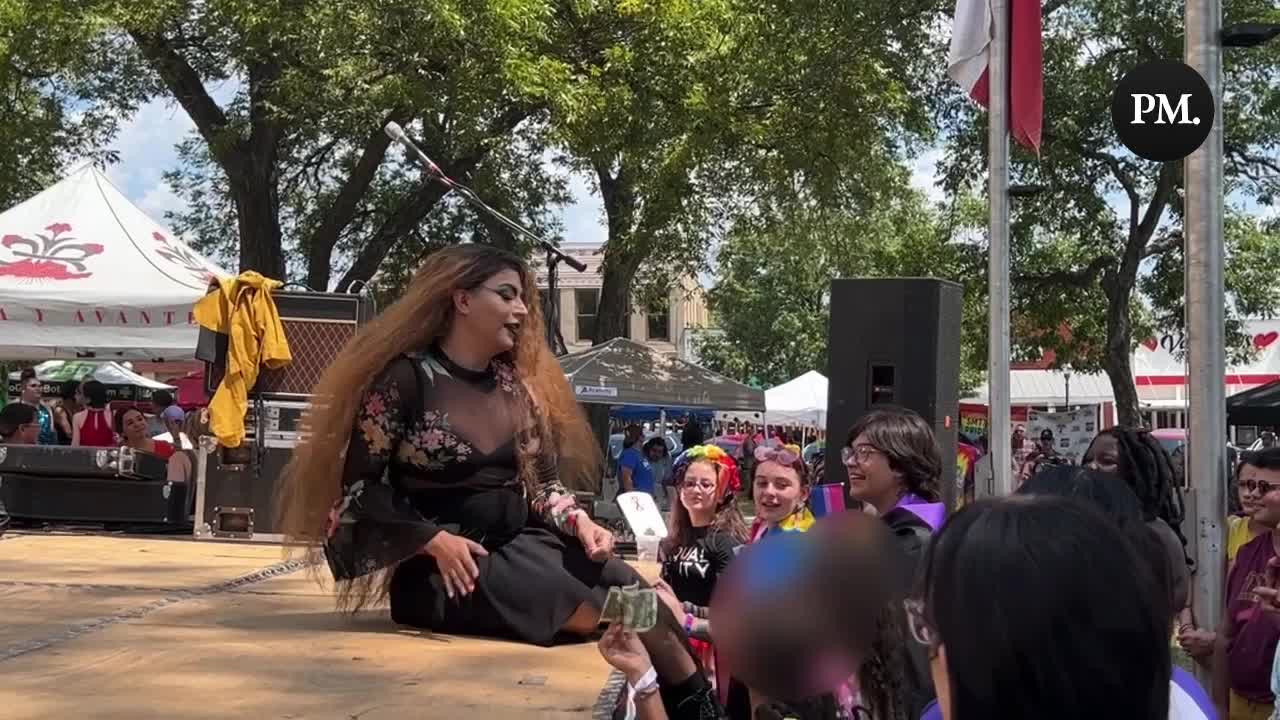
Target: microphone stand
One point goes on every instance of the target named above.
(553, 253)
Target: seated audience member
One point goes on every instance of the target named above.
(131, 424)
(19, 425)
(91, 427)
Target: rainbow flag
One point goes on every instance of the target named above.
(827, 499)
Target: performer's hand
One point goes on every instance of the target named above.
(623, 650)
(453, 556)
(597, 541)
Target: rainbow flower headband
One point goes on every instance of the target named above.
(714, 454)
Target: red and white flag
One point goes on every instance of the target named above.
(970, 55)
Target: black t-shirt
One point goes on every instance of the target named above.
(691, 570)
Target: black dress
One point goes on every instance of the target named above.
(437, 448)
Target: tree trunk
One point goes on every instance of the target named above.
(1118, 361)
(257, 204)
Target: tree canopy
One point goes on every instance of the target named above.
(1089, 282)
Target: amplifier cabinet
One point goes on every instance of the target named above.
(94, 499)
(61, 461)
(240, 489)
(317, 326)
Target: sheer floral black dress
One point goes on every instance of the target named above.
(437, 447)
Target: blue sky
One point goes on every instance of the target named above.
(146, 146)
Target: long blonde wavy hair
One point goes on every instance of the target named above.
(312, 482)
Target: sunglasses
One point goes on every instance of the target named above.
(1262, 487)
(782, 456)
(920, 630)
(859, 453)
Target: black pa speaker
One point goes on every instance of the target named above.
(895, 341)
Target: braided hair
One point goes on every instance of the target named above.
(1149, 471)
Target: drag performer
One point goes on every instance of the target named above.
(432, 473)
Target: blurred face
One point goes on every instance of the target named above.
(655, 452)
(871, 479)
(1104, 454)
(698, 491)
(135, 425)
(778, 492)
(31, 391)
(80, 398)
(1264, 486)
(494, 312)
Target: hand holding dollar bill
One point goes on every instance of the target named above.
(633, 607)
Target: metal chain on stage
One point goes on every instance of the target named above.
(172, 597)
(609, 694)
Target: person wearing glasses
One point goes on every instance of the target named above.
(894, 465)
(1248, 637)
(19, 425)
(32, 390)
(437, 469)
(704, 534)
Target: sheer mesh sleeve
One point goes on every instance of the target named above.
(551, 500)
(374, 526)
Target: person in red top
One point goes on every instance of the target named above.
(132, 426)
(91, 427)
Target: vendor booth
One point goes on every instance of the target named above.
(123, 384)
(801, 401)
(84, 274)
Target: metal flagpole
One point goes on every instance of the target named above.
(998, 250)
(1205, 290)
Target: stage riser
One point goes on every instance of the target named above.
(94, 500)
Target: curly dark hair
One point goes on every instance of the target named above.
(1149, 471)
(909, 444)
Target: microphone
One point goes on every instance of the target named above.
(396, 133)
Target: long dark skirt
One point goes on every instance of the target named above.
(527, 590)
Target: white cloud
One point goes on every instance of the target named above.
(924, 175)
(583, 217)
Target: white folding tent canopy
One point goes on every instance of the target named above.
(800, 401)
(85, 274)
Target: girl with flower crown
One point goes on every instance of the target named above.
(705, 531)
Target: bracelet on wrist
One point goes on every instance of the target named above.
(646, 685)
(688, 624)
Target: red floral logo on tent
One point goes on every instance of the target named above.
(52, 256)
(182, 257)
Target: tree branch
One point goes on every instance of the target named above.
(1080, 279)
(186, 86)
(340, 214)
(411, 210)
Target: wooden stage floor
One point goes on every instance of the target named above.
(121, 628)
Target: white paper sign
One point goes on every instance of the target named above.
(642, 514)
(1072, 431)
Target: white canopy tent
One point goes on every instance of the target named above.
(800, 401)
(85, 274)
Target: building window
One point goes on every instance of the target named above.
(587, 300)
(659, 321)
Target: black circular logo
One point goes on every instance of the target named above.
(1162, 110)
